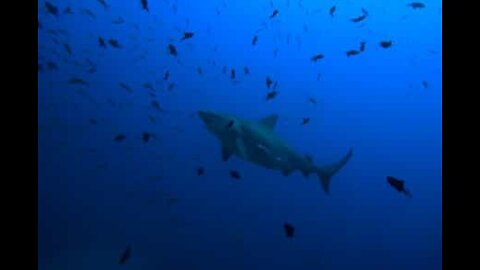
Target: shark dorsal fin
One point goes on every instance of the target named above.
(269, 121)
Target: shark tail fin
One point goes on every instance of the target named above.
(325, 173)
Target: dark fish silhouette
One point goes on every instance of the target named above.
(275, 13)
(172, 50)
(68, 10)
(332, 10)
(149, 86)
(114, 43)
(68, 49)
(125, 255)
(118, 20)
(254, 40)
(52, 65)
(230, 124)
(425, 84)
(416, 5)
(316, 57)
(306, 120)
(187, 35)
(103, 3)
(89, 13)
(126, 87)
(171, 86)
(200, 71)
(312, 100)
(77, 81)
(156, 105)
(399, 185)
(101, 42)
(144, 5)
(268, 82)
(246, 70)
(52, 9)
(232, 74)
(119, 138)
(362, 46)
(352, 53)
(361, 17)
(234, 174)
(200, 171)
(146, 137)
(166, 75)
(289, 230)
(386, 44)
(271, 95)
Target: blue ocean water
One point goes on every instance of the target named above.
(119, 145)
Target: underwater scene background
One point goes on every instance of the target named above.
(130, 178)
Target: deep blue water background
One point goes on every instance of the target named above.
(96, 196)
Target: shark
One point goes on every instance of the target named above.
(256, 142)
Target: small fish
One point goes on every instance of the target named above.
(232, 74)
(275, 52)
(187, 35)
(246, 71)
(77, 81)
(275, 13)
(103, 3)
(234, 174)
(306, 120)
(230, 124)
(200, 171)
(118, 20)
(148, 86)
(352, 53)
(312, 100)
(126, 87)
(360, 18)
(144, 5)
(171, 86)
(399, 185)
(268, 82)
(125, 255)
(89, 13)
(114, 43)
(68, 49)
(68, 10)
(166, 75)
(425, 84)
(172, 50)
(289, 230)
(386, 44)
(316, 57)
(52, 9)
(119, 138)
(332, 10)
(416, 5)
(362, 46)
(199, 71)
(271, 95)
(254, 40)
(101, 42)
(146, 137)
(156, 105)
(51, 65)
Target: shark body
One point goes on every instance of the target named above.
(256, 142)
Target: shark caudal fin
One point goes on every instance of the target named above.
(325, 173)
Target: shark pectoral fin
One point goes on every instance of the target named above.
(269, 121)
(226, 153)
(241, 148)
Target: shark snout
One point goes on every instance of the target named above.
(206, 116)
